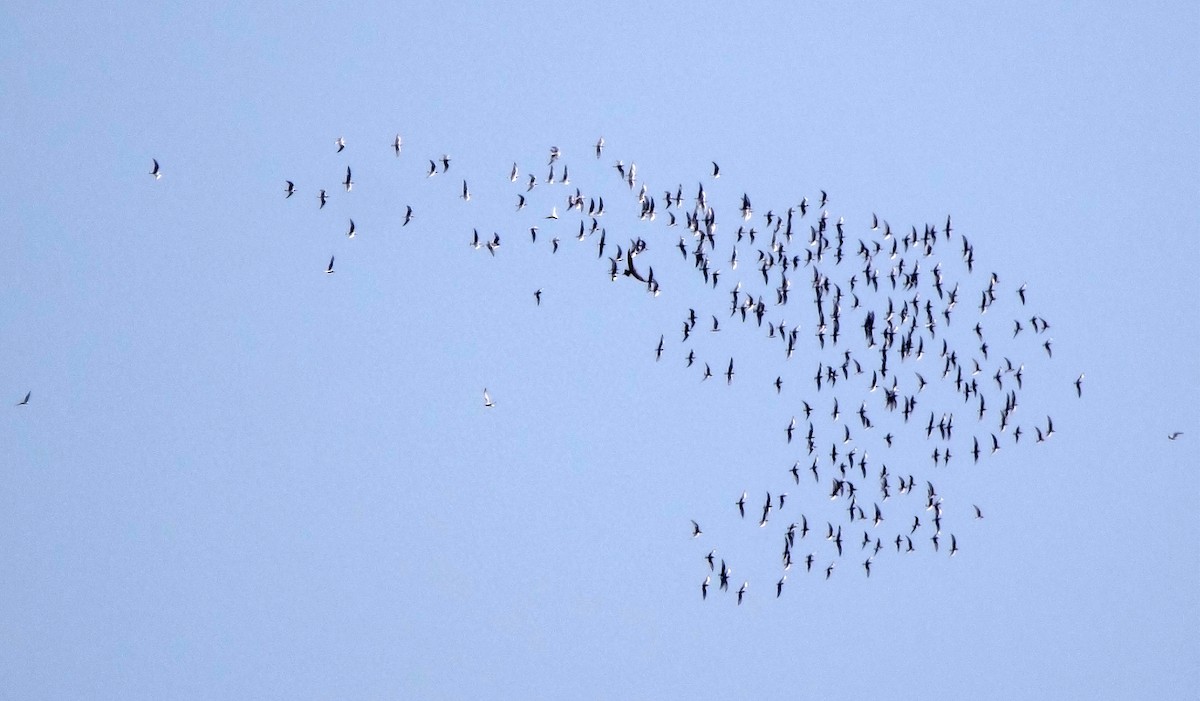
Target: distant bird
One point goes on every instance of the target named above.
(729, 373)
(323, 198)
(953, 545)
(716, 170)
(329, 270)
(156, 171)
(695, 530)
(512, 175)
(779, 586)
(289, 190)
(350, 233)
(553, 213)
(1079, 385)
(536, 295)
(741, 592)
(487, 399)
(397, 144)
(1173, 436)
(659, 350)
(341, 144)
(978, 513)
(741, 504)
(466, 194)
(408, 215)
(704, 587)
(348, 182)
(445, 163)
(599, 147)
(432, 170)
(25, 401)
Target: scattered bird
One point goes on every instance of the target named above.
(329, 269)
(487, 399)
(348, 183)
(340, 143)
(156, 171)
(289, 190)
(25, 401)
(1174, 435)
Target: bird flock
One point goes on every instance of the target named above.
(884, 343)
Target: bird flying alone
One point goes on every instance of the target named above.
(487, 399)
(156, 171)
(329, 268)
(25, 401)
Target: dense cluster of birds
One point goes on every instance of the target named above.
(905, 340)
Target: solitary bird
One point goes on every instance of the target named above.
(1079, 385)
(350, 233)
(397, 144)
(487, 399)
(156, 171)
(536, 295)
(289, 190)
(329, 269)
(323, 198)
(1170, 437)
(341, 144)
(695, 530)
(25, 401)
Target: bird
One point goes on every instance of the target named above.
(323, 198)
(156, 171)
(779, 586)
(1172, 436)
(350, 233)
(329, 269)
(704, 587)
(397, 144)
(741, 592)
(599, 147)
(978, 513)
(408, 215)
(741, 504)
(25, 401)
(659, 350)
(340, 143)
(553, 213)
(716, 170)
(1079, 385)
(695, 530)
(466, 194)
(348, 182)
(487, 399)
(289, 190)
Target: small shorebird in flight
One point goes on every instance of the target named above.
(329, 269)
(487, 399)
(25, 401)
(289, 190)
(156, 171)
(341, 144)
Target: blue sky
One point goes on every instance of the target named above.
(238, 476)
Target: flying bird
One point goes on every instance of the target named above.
(156, 171)
(25, 401)
(397, 144)
(341, 144)
(1173, 436)
(348, 182)
(289, 190)
(329, 269)
(695, 530)
(487, 399)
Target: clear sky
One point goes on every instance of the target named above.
(240, 477)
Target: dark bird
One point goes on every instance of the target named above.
(323, 198)
(538, 296)
(1079, 385)
(741, 504)
(716, 170)
(1173, 436)
(729, 373)
(348, 183)
(156, 171)
(289, 190)
(695, 530)
(329, 269)
(978, 513)
(779, 586)
(704, 587)
(25, 401)
(742, 591)
(397, 144)
(350, 233)
(659, 350)
(341, 144)
(408, 215)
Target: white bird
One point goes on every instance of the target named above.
(512, 176)
(487, 400)
(341, 144)
(155, 171)
(553, 213)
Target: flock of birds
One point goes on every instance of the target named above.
(904, 340)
